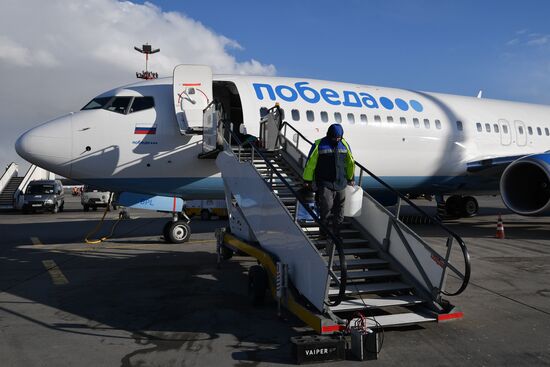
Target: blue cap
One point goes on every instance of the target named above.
(335, 131)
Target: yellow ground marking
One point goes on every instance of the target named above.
(55, 273)
(36, 241)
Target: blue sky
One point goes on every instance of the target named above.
(81, 48)
(502, 47)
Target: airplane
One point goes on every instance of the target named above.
(146, 138)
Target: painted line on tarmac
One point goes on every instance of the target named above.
(55, 273)
(36, 241)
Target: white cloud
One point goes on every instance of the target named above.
(55, 55)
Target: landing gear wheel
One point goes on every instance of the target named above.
(470, 206)
(178, 232)
(453, 206)
(257, 284)
(205, 214)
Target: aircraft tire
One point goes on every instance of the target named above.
(257, 284)
(470, 206)
(178, 232)
(453, 206)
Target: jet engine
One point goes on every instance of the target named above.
(525, 185)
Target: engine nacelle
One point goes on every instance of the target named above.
(525, 185)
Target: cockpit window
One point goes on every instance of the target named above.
(142, 103)
(97, 103)
(119, 105)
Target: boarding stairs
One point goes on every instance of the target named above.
(12, 186)
(377, 267)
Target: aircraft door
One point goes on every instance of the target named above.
(521, 133)
(192, 94)
(505, 133)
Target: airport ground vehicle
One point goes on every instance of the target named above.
(44, 195)
(206, 208)
(93, 197)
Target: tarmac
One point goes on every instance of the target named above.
(135, 300)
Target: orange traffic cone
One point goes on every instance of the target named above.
(500, 228)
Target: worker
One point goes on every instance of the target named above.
(331, 166)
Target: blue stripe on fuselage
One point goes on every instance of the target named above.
(212, 187)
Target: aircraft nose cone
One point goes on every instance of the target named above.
(48, 145)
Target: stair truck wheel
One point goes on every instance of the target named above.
(55, 208)
(62, 207)
(86, 208)
(205, 214)
(470, 206)
(178, 232)
(257, 284)
(226, 252)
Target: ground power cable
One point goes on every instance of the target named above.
(100, 224)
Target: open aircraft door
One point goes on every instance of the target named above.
(192, 94)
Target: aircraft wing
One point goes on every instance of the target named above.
(493, 164)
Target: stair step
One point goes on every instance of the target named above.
(371, 288)
(365, 303)
(370, 274)
(400, 319)
(360, 263)
(360, 251)
(355, 241)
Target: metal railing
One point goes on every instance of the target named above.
(397, 224)
(229, 144)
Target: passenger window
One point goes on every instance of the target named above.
(520, 129)
(539, 131)
(377, 118)
(324, 116)
(295, 115)
(338, 117)
(488, 128)
(530, 130)
(479, 128)
(119, 105)
(363, 119)
(459, 126)
(145, 103)
(351, 118)
(495, 127)
(426, 123)
(505, 129)
(546, 131)
(438, 124)
(416, 123)
(263, 111)
(390, 119)
(309, 115)
(403, 121)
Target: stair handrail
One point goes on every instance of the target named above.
(451, 234)
(10, 172)
(338, 246)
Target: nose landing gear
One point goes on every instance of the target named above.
(177, 230)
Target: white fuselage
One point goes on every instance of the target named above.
(418, 142)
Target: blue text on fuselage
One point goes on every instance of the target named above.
(345, 98)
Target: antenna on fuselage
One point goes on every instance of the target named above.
(147, 49)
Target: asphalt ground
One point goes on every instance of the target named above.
(137, 301)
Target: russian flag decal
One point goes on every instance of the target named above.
(145, 129)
